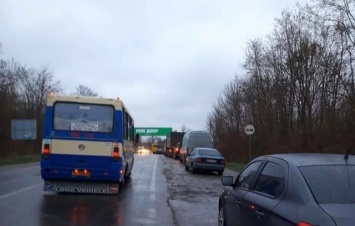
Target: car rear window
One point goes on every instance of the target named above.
(211, 152)
(331, 184)
(201, 141)
(83, 117)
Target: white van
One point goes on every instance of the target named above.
(194, 139)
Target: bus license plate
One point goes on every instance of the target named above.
(81, 173)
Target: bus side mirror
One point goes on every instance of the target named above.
(137, 138)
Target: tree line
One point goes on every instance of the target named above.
(297, 89)
(23, 95)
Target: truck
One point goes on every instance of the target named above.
(154, 148)
(173, 144)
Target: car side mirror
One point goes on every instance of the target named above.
(227, 180)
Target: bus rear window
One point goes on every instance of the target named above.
(83, 117)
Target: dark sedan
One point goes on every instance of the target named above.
(207, 159)
(291, 190)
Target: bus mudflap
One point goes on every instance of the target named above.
(81, 187)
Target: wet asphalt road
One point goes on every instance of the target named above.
(160, 192)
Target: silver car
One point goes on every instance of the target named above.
(209, 159)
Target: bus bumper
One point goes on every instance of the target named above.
(81, 187)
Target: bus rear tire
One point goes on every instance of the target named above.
(123, 181)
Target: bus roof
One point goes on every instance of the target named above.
(85, 99)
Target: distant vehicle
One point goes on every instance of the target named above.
(144, 152)
(160, 151)
(291, 190)
(193, 139)
(88, 145)
(207, 159)
(176, 154)
(171, 144)
(154, 148)
(139, 149)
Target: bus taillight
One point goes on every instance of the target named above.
(116, 154)
(45, 152)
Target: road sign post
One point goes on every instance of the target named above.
(249, 130)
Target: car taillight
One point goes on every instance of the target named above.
(116, 150)
(302, 223)
(223, 162)
(46, 150)
(199, 160)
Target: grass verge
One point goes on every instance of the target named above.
(9, 160)
(235, 166)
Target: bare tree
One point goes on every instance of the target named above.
(338, 17)
(297, 91)
(82, 90)
(23, 94)
(184, 129)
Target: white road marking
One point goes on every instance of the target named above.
(19, 191)
(152, 182)
(152, 211)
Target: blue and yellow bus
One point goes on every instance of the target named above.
(88, 145)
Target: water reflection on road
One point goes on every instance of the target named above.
(81, 209)
(160, 192)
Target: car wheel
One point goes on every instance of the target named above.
(221, 216)
(220, 172)
(193, 168)
(186, 167)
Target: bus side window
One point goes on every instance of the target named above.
(132, 131)
(130, 128)
(124, 124)
(128, 125)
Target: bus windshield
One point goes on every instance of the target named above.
(83, 117)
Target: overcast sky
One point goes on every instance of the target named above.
(168, 60)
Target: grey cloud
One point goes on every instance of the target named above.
(168, 60)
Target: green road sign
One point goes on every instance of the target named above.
(148, 131)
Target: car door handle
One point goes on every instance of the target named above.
(260, 214)
(238, 202)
